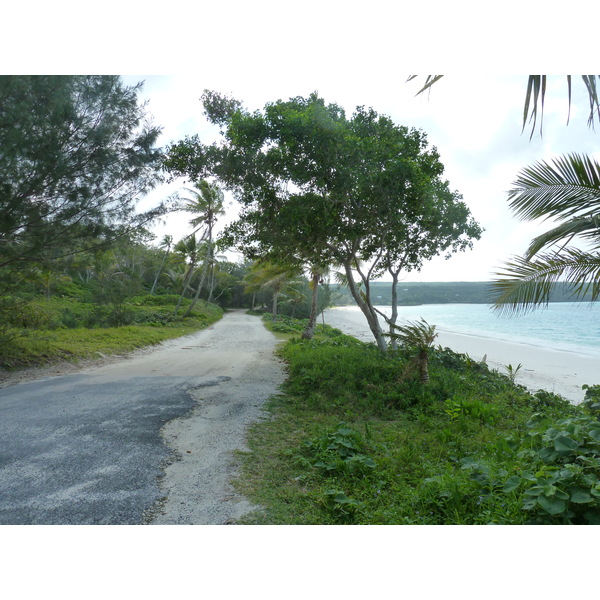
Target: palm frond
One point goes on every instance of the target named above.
(536, 88)
(587, 227)
(431, 79)
(418, 334)
(590, 84)
(535, 96)
(525, 285)
(565, 187)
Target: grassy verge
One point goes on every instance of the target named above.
(356, 439)
(54, 331)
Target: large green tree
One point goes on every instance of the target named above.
(263, 158)
(77, 153)
(318, 188)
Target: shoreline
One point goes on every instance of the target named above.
(559, 371)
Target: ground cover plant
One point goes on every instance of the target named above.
(356, 438)
(47, 330)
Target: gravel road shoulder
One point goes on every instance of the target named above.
(197, 486)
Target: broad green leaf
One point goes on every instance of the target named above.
(561, 495)
(550, 490)
(581, 497)
(536, 490)
(595, 434)
(512, 483)
(548, 454)
(565, 444)
(553, 506)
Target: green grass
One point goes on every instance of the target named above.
(355, 438)
(46, 334)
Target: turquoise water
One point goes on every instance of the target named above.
(570, 326)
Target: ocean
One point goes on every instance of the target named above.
(566, 326)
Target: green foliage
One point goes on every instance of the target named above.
(76, 156)
(340, 452)
(512, 371)
(343, 510)
(591, 401)
(313, 192)
(558, 477)
(285, 324)
(356, 440)
(51, 329)
(566, 191)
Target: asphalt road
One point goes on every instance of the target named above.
(90, 448)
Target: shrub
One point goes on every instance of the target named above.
(559, 476)
(591, 401)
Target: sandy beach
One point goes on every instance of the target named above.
(542, 367)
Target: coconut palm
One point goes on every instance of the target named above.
(188, 249)
(418, 336)
(567, 191)
(206, 205)
(275, 277)
(165, 243)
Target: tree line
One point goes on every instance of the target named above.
(324, 195)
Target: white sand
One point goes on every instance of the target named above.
(542, 367)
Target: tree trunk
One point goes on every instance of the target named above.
(204, 273)
(275, 296)
(394, 316)
(367, 309)
(162, 264)
(186, 280)
(309, 332)
(424, 366)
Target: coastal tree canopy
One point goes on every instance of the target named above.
(318, 188)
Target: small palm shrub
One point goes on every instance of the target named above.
(419, 337)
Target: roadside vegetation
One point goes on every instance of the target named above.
(356, 438)
(45, 331)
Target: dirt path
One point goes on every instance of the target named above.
(239, 354)
(148, 438)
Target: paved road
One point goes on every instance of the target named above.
(89, 448)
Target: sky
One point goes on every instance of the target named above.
(352, 54)
(474, 122)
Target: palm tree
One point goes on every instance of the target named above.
(418, 336)
(166, 243)
(187, 248)
(275, 277)
(317, 271)
(566, 190)
(206, 205)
